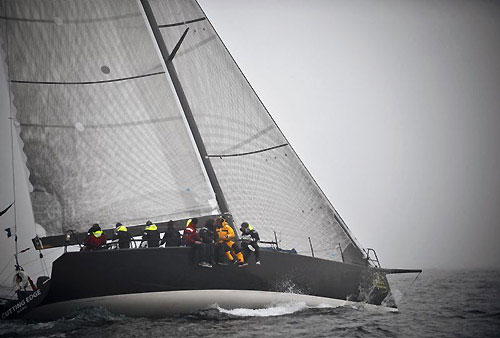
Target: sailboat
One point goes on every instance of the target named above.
(128, 111)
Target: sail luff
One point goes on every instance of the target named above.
(219, 195)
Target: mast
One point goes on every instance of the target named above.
(167, 58)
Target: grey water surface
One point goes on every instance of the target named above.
(438, 304)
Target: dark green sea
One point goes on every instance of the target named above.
(438, 304)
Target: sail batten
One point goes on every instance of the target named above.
(249, 152)
(181, 23)
(87, 82)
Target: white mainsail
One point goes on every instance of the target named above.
(105, 139)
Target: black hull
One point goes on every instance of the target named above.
(84, 275)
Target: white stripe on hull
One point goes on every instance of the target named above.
(163, 304)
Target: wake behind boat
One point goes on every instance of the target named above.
(134, 110)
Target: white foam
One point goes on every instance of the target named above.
(275, 310)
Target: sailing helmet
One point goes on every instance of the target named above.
(244, 225)
(149, 223)
(118, 225)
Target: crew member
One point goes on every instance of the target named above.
(226, 236)
(208, 237)
(171, 237)
(122, 235)
(191, 238)
(151, 235)
(250, 242)
(95, 240)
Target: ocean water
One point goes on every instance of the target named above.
(437, 304)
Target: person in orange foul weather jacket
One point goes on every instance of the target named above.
(226, 239)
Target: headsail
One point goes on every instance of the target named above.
(263, 180)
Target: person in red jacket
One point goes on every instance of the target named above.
(95, 240)
(191, 238)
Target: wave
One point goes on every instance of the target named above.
(93, 314)
(274, 310)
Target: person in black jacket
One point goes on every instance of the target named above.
(172, 237)
(207, 234)
(250, 242)
(151, 235)
(122, 235)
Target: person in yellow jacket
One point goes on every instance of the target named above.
(226, 236)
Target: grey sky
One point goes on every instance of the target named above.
(394, 107)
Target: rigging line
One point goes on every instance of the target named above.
(409, 287)
(57, 20)
(181, 23)
(86, 82)
(249, 152)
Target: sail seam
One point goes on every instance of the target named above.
(86, 82)
(181, 23)
(250, 152)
